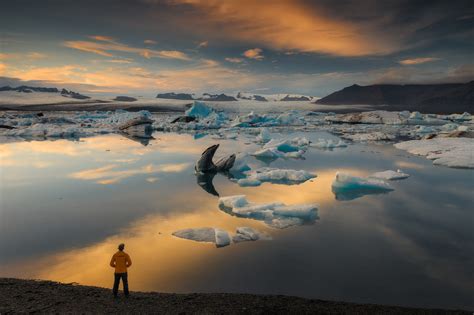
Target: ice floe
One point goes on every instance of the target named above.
(390, 175)
(275, 175)
(451, 152)
(205, 234)
(246, 234)
(349, 187)
(328, 144)
(276, 214)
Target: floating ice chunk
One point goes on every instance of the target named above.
(206, 234)
(290, 118)
(276, 176)
(390, 175)
(449, 127)
(416, 115)
(240, 165)
(222, 238)
(273, 153)
(274, 214)
(328, 144)
(245, 234)
(451, 152)
(425, 130)
(372, 117)
(264, 136)
(348, 187)
(372, 136)
(199, 110)
(281, 145)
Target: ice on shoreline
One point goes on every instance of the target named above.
(451, 152)
(276, 214)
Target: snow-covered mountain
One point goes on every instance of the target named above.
(244, 96)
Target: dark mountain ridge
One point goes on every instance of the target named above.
(433, 98)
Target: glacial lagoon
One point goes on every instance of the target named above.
(65, 205)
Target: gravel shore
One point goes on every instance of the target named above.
(34, 296)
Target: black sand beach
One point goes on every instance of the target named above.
(37, 296)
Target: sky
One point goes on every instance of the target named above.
(145, 47)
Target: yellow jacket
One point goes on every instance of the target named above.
(120, 261)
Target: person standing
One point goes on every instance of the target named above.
(120, 261)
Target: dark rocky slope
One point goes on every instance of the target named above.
(429, 98)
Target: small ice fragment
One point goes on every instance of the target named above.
(390, 175)
(222, 237)
(245, 234)
(264, 136)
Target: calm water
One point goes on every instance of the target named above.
(66, 205)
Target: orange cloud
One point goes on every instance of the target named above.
(104, 48)
(255, 53)
(288, 25)
(102, 38)
(234, 60)
(2, 68)
(417, 61)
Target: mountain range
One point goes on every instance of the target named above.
(430, 98)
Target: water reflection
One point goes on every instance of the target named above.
(343, 194)
(68, 204)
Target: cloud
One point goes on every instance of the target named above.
(255, 53)
(234, 60)
(2, 68)
(417, 61)
(125, 61)
(102, 38)
(110, 175)
(203, 44)
(104, 48)
(36, 55)
(150, 42)
(294, 25)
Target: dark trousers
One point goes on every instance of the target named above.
(124, 277)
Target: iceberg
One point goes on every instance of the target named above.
(205, 234)
(451, 152)
(264, 136)
(199, 110)
(390, 175)
(246, 234)
(328, 144)
(276, 176)
(276, 214)
(348, 187)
